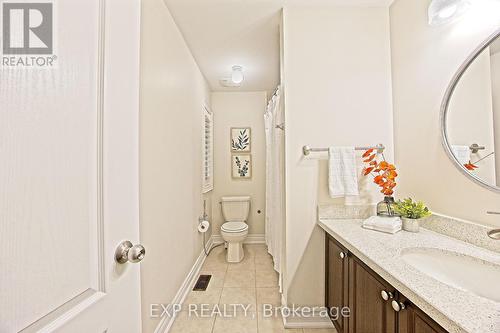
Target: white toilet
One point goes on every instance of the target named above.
(234, 231)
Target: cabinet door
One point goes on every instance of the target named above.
(370, 313)
(413, 320)
(336, 283)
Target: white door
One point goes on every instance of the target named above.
(69, 167)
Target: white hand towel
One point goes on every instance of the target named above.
(462, 153)
(389, 225)
(386, 230)
(342, 172)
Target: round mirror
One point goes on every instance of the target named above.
(470, 115)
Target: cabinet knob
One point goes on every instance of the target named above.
(386, 295)
(398, 306)
(342, 255)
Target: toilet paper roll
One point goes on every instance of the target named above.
(203, 226)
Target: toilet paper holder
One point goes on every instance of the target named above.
(203, 224)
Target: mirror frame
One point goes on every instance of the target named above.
(445, 105)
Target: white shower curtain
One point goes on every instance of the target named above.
(275, 200)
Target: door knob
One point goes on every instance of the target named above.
(398, 306)
(386, 295)
(342, 255)
(128, 252)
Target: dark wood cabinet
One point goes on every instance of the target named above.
(337, 287)
(351, 283)
(414, 320)
(370, 313)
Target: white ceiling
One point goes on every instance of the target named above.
(223, 33)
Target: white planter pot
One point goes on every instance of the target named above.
(411, 225)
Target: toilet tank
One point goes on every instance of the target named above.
(235, 209)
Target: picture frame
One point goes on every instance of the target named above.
(241, 139)
(241, 166)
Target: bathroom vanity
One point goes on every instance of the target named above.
(375, 305)
(425, 282)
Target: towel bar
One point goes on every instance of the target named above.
(306, 150)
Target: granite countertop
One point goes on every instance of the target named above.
(455, 309)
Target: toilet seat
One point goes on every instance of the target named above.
(234, 227)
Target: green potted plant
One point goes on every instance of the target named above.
(412, 212)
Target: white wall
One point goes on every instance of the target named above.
(424, 59)
(235, 109)
(172, 95)
(337, 92)
(470, 116)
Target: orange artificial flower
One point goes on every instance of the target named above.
(384, 174)
(367, 153)
(470, 166)
(367, 171)
(369, 159)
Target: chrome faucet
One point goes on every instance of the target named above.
(495, 233)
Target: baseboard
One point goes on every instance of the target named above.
(251, 239)
(309, 322)
(300, 322)
(167, 321)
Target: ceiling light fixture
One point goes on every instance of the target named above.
(445, 11)
(237, 74)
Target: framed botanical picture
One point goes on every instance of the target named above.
(241, 139)
(241, 166)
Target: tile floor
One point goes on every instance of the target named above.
(252, 282)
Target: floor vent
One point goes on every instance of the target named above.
(202, 283)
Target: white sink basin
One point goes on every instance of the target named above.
(457, 270)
